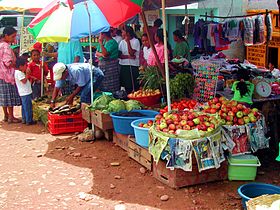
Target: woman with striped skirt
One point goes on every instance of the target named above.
(9, 96)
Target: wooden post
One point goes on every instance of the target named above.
(152, 44)
(267, 43)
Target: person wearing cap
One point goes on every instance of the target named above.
(77, 74)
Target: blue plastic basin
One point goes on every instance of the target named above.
(122, 124)
(253, 190)
(141, 134)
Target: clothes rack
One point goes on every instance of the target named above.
(236, 16)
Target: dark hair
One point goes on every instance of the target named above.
(8, 31)
(179, 35)
(145, 34)
(119, 32)
(21, 61)
(130, 31)
(161, 38)
(107, 33)
(243, 75)
(34, 50)
(158, 22)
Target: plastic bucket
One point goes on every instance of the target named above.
(122, 124)
(253, 190)
(141, 134)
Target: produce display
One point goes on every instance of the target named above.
(66, 110)
(181, 105)
(181, 86)
(231, 112)
(146, 125)
(108, 104)
(144, 93)
(174, 123)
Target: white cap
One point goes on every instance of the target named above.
(58, 70)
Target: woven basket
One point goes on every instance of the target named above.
(265, 200)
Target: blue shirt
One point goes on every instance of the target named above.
(78, 74)
(68, 51)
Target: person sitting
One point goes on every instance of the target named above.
(243, 89)
(77, 74)
(36, 72)
(275, 72)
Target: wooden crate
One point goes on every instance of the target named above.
(121, 140)
(138, 153)
(101, 120)
(86, 112)
(178, 178)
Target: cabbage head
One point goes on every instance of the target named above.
(101, 102)
(116, 106)
(133, 104)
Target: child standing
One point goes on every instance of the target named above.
(243, 89)
(35, 73)
(25, 91)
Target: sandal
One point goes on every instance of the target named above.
(14, 120)
(5, 119)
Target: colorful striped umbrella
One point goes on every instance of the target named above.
(32, 6)
(64, 20)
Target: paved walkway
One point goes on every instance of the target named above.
(28, 180)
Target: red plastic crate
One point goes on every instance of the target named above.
(60, 124)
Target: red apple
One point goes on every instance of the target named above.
(246, 111)
(186, 127)
(235, 119)
(230, 113)
(240, 121)
(172, 127)
(234, 109)
(213, 111)
(190, 123)
(215, 100)
(141, 125)
(240, 106)
(158, 116)
(229, 118)
(150, 122)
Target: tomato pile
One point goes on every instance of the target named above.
(181, 105)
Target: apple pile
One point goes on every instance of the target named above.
(232, 112)
(185, 120)
(144, 93)
(181, 105)
(146, 125)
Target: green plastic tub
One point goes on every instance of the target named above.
(243, 167)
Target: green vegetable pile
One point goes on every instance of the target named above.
(108, 104)
(181, 86)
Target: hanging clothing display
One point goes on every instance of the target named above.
(211, 36)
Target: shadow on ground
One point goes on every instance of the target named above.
(135, 187)
(19, 127)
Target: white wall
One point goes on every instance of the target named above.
(237, 7)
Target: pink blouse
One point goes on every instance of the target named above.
(152, 59)
(7, 61)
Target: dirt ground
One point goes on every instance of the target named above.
(125, 182)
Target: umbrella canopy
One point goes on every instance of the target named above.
(33, 6)
(61, 21)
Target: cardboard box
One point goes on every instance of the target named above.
(101, 120)
(121, 140)
(178, 178)
(139, 154)
(86, 112)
